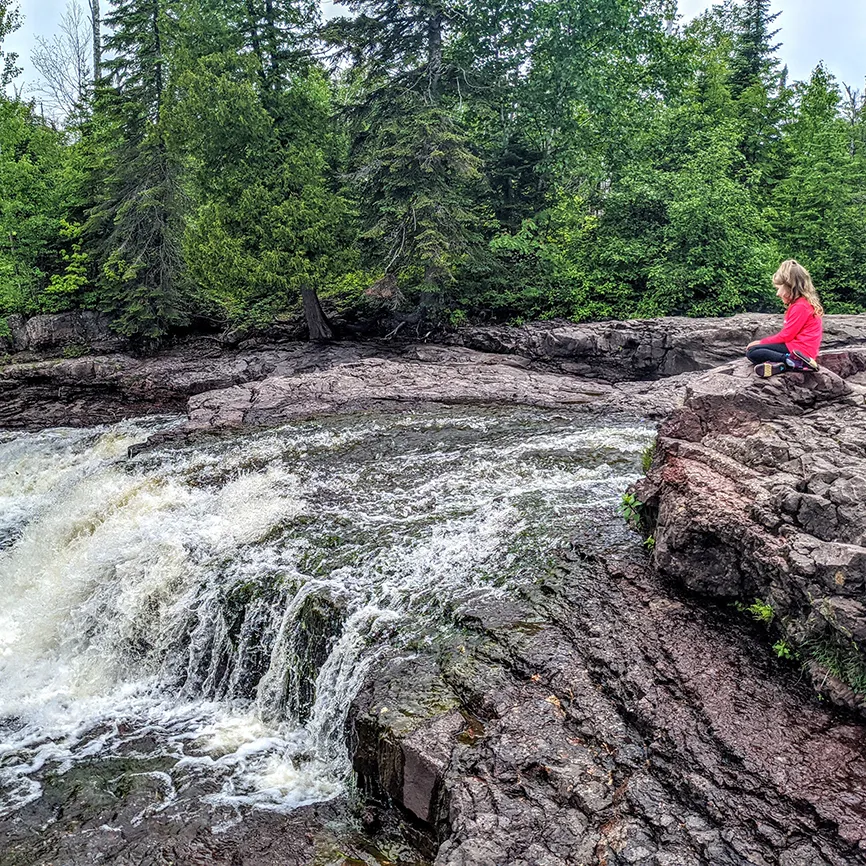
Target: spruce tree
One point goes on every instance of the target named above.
(136, 224)
(415, 173)
(754, 56)
(819, 209)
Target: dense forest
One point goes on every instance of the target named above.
(222, 162)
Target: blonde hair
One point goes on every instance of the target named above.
(798, 281)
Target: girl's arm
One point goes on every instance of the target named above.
(795, 320)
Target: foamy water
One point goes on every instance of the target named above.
(167, 599)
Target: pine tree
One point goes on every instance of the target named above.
(136, 224)
(416, 175)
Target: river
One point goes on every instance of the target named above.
(199, 618)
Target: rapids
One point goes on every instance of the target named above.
(204, 614)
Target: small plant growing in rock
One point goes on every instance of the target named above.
(646, 459)
(784, 650)
(650, 543)
(631, 509)
(77, 350)
(843, 661)
(761, 611)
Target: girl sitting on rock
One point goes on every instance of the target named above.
(796, 346)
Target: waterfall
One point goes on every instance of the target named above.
(222, 601)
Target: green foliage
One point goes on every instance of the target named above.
(10, 21)
(69, 288)
(761, 611)
(646, 458)
(492, 161)
(261, 228)
(843, 660)
(631, 508)
(784, 650)
(134, 225)
(650, 543)
(32, 163)
(77, 350)
(819, 208)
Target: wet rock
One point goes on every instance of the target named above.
(379, 384)
(402, 729)
(318, 624)
(756, 491)
(15, 340)
(89, 390)
(628, 725)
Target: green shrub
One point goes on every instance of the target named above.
(631, 508)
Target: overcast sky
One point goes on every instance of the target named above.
(830, 30)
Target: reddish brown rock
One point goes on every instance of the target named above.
(756, 491)
(607, 720)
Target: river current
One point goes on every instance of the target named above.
(204, 614)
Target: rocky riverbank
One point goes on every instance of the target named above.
(613, 366)
(606, 719)
(602, 716)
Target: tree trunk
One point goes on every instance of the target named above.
(317, 322)
(434, 53)
(97, 40)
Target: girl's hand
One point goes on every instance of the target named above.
(752, 344)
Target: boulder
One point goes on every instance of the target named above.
(81, 330)
(756, 492)
(15, 338)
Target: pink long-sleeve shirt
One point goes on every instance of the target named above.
(802, 330)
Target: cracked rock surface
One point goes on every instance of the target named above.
(600, 718)
(756, 492)
(608, 364)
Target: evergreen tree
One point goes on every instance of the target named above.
(268, 224)
(754, 52)
(417, 178)
(819, 209)
(136, 224)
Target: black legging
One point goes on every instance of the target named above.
(773, 352)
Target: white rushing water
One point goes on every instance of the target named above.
(218, 605)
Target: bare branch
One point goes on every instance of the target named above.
(63, 63)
